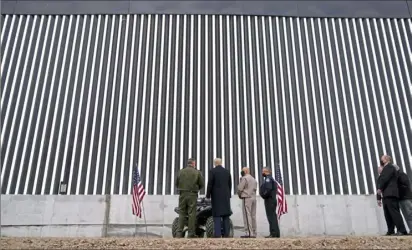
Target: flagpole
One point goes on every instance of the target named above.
(144, 217)
(135, 226)
(163, 226)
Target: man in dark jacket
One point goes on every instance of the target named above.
(268, 191)
(189, 181)
(219, 188)
(405, 197)
(388, 189)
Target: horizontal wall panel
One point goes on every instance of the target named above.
(409, 3)
(84, 98)
(295, 8)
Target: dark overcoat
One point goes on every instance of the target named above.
(219, 188)
(388, 182)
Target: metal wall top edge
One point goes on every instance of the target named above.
(293, 8)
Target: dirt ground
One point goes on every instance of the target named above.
(260, 243)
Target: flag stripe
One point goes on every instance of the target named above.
(281, 198)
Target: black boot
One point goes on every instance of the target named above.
(272, 236)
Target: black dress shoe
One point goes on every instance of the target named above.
(272, 236)
(401, 233)
(245, 236)
(390, 233)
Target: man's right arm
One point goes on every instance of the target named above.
(177, 180)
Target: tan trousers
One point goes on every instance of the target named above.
(249, 215)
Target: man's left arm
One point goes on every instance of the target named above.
(379, 199)
(385, 177)
(201, 181)
(266, 188)
(230, 184)
(241, 185)
(404, 180)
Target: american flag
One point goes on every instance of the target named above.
(281, 197)
(138, 193)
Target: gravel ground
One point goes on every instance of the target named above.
(260, 243)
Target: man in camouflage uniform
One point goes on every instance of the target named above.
(189, 181)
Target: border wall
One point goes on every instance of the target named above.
(110, 215)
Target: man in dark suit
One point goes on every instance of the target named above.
(219, 188)
(405, 197)
(268, 191)
(388, 189)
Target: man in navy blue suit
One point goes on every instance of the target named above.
(219, 190)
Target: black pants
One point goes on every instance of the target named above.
(270, 207)
(219, 224)
(393, 215)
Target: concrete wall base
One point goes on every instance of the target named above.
(101, 216)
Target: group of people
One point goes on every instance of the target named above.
(395, 195)
(190, 181)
